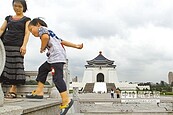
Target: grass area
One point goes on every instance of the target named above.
(166, 93)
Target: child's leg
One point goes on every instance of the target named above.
(65, 98)
(66, 103)
(57, 73)
(39, 90)
(43, 71)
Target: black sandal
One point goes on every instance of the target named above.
(11, 95)
(34, 96)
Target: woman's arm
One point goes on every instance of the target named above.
(3, 27)
(25, 41)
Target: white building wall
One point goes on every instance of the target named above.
(126, 86)
(90, 74)
(97, 71)
(113, 78)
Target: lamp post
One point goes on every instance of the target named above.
(2, 63)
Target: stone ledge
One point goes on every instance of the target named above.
(127, 113)
(25, 89)
(11, 110)
(23, 106)
(38, 105)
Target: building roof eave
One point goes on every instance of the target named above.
(96, 66)
(100, 59)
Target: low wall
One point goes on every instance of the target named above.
(22, 90)
(2, 63)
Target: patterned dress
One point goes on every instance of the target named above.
(13, 73)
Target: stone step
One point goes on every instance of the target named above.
(88, 88)
(23, 106)
(25, 89)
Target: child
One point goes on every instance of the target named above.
(15, 34)
(56, 59)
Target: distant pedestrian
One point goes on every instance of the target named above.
(117, 93)
(112, 93)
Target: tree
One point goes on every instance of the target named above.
(162, 83)
(171, 84)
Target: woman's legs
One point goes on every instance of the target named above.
(13, 73)
(12, 92)
(13, 89)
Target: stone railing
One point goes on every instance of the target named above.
(2, 63)
(2, 56)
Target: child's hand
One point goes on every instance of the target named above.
(41, 50)
(79, 46)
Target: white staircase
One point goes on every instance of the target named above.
(100, 87)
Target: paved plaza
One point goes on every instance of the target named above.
(95, 104)
(87, 104)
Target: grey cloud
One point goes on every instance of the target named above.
(112, 27)
(141, 13)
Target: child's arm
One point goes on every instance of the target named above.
(44, 42)
(69, 44)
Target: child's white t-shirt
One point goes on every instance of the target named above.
(56, 52)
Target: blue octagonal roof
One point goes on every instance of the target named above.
(100, 60)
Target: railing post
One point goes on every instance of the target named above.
(76, 100)
(1, 96)
(2, 63)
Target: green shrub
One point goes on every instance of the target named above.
(34, 82)
(169, 93)
(70, 91)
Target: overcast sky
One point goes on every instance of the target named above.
(136, 34)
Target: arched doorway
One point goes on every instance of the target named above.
(100, 77)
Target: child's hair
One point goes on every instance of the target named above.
(23, 2)
(37, 21)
